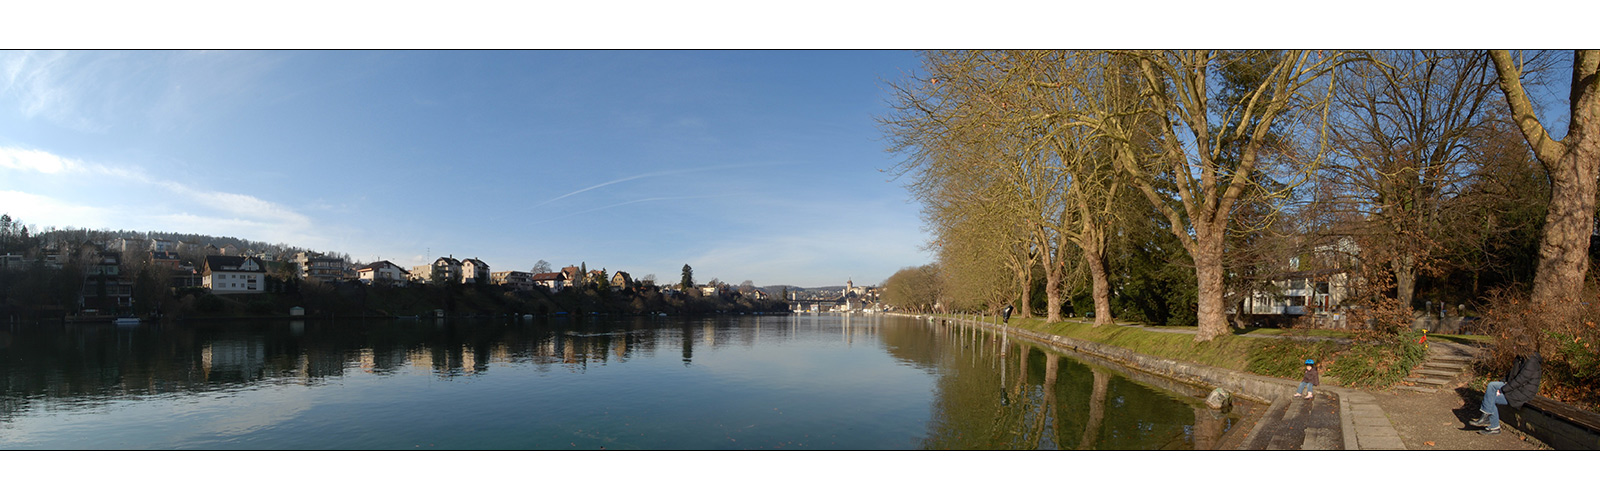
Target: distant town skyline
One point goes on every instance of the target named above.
(765, 166)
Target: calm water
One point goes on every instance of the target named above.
(734, 383)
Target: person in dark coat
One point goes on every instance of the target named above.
(1005, 314)
(1520, 385)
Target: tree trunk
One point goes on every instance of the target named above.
(1564, 250)
(1211, 314)
(1025, 309)
(1405, 279)
(1102, 286)
(1572, 164)
(1052, 293)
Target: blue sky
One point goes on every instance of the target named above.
(747, 165)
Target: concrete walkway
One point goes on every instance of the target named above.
(1366, 426)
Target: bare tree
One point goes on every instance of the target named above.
(1212, 151)
(1407, 127)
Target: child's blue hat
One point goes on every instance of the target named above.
(1310, 362)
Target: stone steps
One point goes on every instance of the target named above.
(1442, 366)
(1436, 373)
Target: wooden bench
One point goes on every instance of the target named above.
(1557, 424)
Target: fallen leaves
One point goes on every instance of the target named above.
(1429, 443)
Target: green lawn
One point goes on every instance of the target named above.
(1362, 365)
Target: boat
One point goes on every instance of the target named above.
(126, 321)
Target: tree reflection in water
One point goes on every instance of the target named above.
(998, 392)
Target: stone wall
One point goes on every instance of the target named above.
(1245, 385)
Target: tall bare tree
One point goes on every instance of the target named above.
(1205, 169)
(1406, 129)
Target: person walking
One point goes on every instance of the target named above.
(1308, 379)
(1520, 385)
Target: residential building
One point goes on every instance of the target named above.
(104, 289)
(570, 274)
(552, 281)
(186, 276)
(442, 270)
(381, 272)
(520, 280)
(225, 274)
(130, 246)
(165, 259)
(474, 271)
(318, 267)
(1314, 288)
(621, 280)
(160, 245)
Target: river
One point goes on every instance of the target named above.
(806, 382)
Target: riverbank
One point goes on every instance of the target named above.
(354, 300)
(1367, 419)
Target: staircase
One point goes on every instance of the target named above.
(1292, 423)
(1444, 363)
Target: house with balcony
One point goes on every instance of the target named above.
(225, 274)
(318, 267)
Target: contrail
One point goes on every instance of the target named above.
(663, 198)
(652, 174)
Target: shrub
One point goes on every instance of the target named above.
(1378, 364)
(1566, 334)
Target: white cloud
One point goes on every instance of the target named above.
(184, 207)
(36, 161)
(30, 208)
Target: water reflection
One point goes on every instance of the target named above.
(999, 393)
(829, 382)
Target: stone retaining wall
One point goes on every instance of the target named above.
(1245, 385)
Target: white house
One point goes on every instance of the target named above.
(474, 271)
(552, 281)
(231, 274)
(382, 271)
